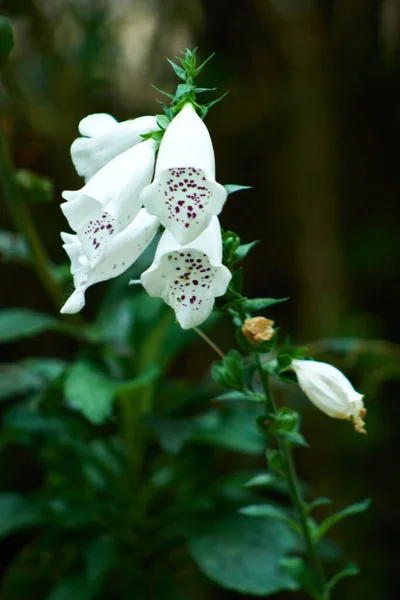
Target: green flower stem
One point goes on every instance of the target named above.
(22, 220)
(295, 493)
(134, 408)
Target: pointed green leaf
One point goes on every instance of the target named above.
(231, 188)
(262, 480)
(317, 502)
(178, 70)
(353, 509)
(297, 568)
(349, 571)
(242, 251)
(163, 121)
(244, 554)
(18, 323)
(238, 396)
(267, 510)
(203, 64)
(90, 391)
(256, 304)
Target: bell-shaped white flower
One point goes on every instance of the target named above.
(189, 277)
(110, 200)
(105, 139)
(330, 391)
(184, 194)
(125, 248)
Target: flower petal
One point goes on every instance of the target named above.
(107, 140)
(123, 251)
(184, 194)
(189, 277)
(111, 199)
(96, 124)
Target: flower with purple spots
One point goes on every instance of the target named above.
(189, 277)
(104, 139)
(110, 200)
(184, 194)
(124, 249)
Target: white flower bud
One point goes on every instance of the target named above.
(330, 391)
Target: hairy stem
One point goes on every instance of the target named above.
(295, 493)
(23, 222)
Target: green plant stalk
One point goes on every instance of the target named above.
(23, 222)
(295, 493)
(133, 408)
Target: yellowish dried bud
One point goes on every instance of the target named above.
(258, 329)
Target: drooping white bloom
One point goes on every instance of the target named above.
(110, 200)
(125, 248)
(189, 277)
(184, 194)
(330, 391)
(105, 139)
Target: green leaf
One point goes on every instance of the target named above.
(237, 396)
(183, 90)
(203, 64)
(262, 480)
(267, 510)
(317, 502)
(229, 370)
(243, 554)
(90, 391)
(16, 323)
(353, 509)
(178, 70)
(256, 304)
(6, 39)
(232, 428)
(28, 376)
(297, 568)
(349, 571)
(99, 558)
(231, 188)
(242, 251)
(16, 513)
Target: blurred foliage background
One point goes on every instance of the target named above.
(312, 122)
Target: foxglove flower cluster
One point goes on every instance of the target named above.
(118, 211)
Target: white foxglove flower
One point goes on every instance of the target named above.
(189, 277)
(125, 248)
(184, 194)
(105, 139)
(110, 200)
(330, 391)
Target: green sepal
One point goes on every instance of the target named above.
(163, 121)
(353, 509)
(203, 64)
(157, 136)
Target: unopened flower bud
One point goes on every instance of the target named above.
(258, 329)
(330, 391)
